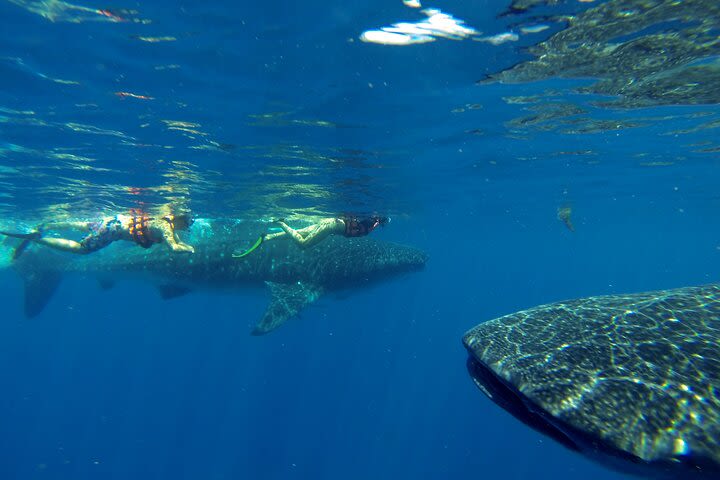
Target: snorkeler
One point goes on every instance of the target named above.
(136, 227)
(347, 225)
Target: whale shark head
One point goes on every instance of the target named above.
(362, 259)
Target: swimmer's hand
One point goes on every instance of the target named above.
(183, 248)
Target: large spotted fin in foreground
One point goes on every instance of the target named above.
(631, 380)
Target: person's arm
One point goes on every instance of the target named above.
(172, 240)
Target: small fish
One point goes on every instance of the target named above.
(563, 214)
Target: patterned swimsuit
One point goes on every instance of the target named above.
(102, 234)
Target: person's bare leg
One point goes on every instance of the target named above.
(308, 236)
(81, 226)
(55, 243)
(270, 236)
(294, 234)
(317, 235)
(62, 244)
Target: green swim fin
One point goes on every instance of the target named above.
(25, 236)
(257, 243)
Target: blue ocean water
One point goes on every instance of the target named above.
(259, 111)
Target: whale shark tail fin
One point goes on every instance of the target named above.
(41, 272)
(286, 302)
(39, 289)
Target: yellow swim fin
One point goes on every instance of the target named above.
(257, 243)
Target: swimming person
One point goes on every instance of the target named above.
(137, 227)
(347, 225)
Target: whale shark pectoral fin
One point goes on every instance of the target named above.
(39, 289)
(286, 302)
(168, 292)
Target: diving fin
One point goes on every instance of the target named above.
(257, 243)
(20, 249)
(25, 236)
(287, 300)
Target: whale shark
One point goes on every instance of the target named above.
(295, 277)
(629, 380)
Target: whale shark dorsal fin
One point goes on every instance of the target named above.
(286, 302)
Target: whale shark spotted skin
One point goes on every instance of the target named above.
(630, 380)
(295, 277)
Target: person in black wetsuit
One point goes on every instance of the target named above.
(136, 227)
(347, 225)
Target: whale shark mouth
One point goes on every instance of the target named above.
(512, 401)
(506, 396)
